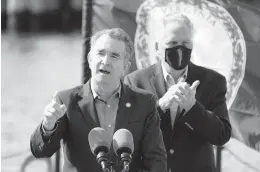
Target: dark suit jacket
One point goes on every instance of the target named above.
(141, 119)
(189, 144)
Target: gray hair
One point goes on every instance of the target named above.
(118, 34)
(179, 19)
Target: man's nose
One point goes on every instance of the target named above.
(106, 60)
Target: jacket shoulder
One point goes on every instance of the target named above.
(212, 74)
(141, 73)
(141, 94)
(69, 94)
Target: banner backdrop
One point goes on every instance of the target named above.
(228, 42)
(218, 41)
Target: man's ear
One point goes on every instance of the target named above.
(127, 65)
(157, 49)
(88, 58)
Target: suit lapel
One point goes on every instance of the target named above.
(124, 108)
(192, 74)
(157, 81)
(124, 111)
(87, 106)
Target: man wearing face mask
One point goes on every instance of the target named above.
(191, 100)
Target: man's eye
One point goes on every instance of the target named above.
(101, 53)
(170, 43)
(187, 44)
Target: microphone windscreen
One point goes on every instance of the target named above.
(97, 139)
(123, 142)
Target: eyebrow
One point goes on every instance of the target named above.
(101, 50)
(174, 42)
(115, 54)
(170, 42)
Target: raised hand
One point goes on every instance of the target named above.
(52, 112)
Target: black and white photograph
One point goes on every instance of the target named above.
(130, 85)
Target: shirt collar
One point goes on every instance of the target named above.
(167, 75)
(116, 94)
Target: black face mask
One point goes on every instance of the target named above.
(178, 57)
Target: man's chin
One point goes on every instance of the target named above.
(103, 79)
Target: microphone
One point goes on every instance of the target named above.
(99, 146)
(123, 145)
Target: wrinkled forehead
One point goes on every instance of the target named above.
(110, 44)
(176, 32)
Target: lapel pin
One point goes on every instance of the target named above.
(128, 104)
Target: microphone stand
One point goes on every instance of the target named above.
(126, 159)
(102, 159)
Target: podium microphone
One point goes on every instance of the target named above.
(123, 145)
(99, 146)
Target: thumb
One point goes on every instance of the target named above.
(195, 84)
(63, 109)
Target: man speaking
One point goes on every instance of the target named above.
(104, 101)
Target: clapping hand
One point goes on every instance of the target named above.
(182, 93)
(185, 96)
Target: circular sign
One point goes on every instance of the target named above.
(218, 41)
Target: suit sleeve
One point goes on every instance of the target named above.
(154, 154)
(164, 116)
(212, 123)
(127, 80)
(45, 145)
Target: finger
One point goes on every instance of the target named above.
(181, 80)
(55, 97)
(58, 110)
(47, 114)
(54, 105)
(55, 112)
(181, 97)
(184, 91)
(171, 91)
(189, 91)
(63, 109)
(185, 85)
(194, 85)
(49, 117)
(176, 99)
(179, 93)
(46, 109)
(51, 110)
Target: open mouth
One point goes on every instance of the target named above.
(104, 71)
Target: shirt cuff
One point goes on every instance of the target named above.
(159, 108)
(47, 133)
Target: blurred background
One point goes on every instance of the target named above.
(43, 48)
